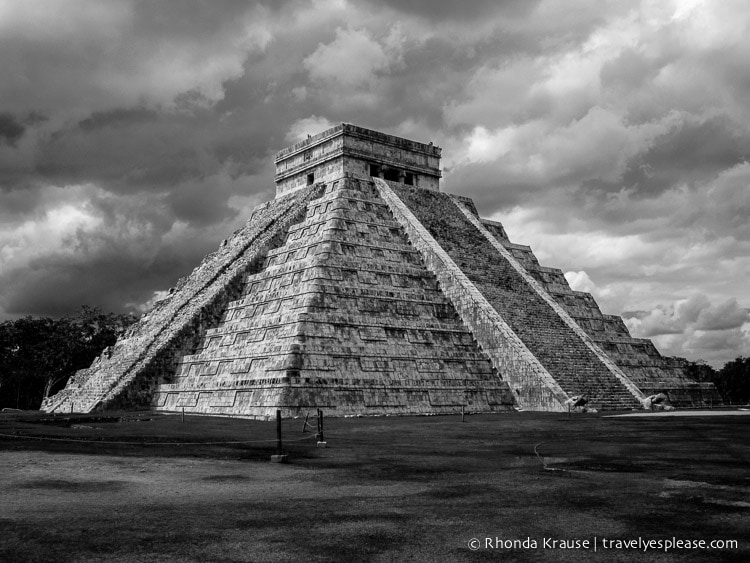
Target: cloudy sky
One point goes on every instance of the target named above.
(613, 137)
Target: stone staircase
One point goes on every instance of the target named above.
(129, 373)
(343, 316)
(565, 353)
(637, 358)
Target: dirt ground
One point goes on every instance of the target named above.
(144, 487)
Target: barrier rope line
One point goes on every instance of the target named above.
(544, 463)
(143, 443)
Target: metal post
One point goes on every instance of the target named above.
(320, 422)
(319, 435)
(278, 431)
(462, 413)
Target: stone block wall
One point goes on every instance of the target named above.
(342, 316)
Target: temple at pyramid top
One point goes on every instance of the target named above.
(362, 153)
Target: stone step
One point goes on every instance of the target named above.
(562, 352)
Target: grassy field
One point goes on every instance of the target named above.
(147, 487)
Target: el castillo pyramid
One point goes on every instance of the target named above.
(363, 289)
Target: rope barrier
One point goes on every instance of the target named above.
(544, 463)
(129, 443)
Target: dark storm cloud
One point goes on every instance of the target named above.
(406, 98)
(120, 117)
(95, 281)
(205, 201)
(631, 71)
(125, 150)
(692, 153)
(492, 191)
(100, 56)
(448, 10)
(176, 154)
(111, 279)
(10, 129)
(119, 249)
(194, 18)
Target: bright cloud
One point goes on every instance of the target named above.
(354, 58)
(54, 232)
(580, 281)
(312, 125)
(695, 327)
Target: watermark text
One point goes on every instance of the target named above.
(600, 543)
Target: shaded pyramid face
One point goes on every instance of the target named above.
(367, 295)
(548, 341)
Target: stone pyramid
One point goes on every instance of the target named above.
(363, 289)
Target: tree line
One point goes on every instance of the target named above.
(39, 355)
(732, 381)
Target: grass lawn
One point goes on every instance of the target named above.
(149, 487)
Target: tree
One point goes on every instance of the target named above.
(700, 370)
(38, 355)
(733, 381)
